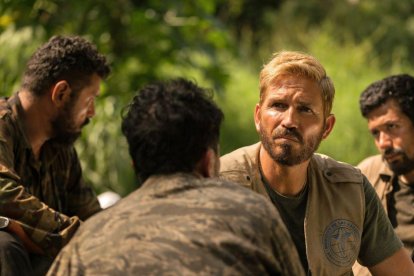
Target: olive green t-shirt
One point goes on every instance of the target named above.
(292, 211)
(377, 242)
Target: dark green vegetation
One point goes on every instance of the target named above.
(220, 44)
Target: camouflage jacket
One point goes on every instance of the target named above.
(46, 196)
(183, 225)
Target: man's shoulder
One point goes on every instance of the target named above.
(238, 157)
(4, 107)
(336, 171)
(184, 190)
(9, 120)
(240, 160)
(181, 186)
(240, 166)
(370, 163)
(225, 197)
(375, 169)
(230, 189)
(9, 125)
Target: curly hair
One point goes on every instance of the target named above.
(397, 87)
(70, 58)
(169, 125)
(297, 64)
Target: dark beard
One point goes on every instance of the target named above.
(399, 168)
(66, 138)
(287, 157)
(65, 132)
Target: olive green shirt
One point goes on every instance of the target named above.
(47, 197)
(182, 224)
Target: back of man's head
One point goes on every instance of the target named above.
(70, 58)
(169, 126)
(397, 87)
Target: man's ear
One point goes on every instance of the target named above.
(60, 93)
(257, 117)
(329, 124)
(207, 166)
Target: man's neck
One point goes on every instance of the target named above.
(36, 120)
(286, 180)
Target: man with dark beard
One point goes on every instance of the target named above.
(388, 106)
(329, 207)
(42, 195)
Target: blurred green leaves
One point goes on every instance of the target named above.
(221, 44)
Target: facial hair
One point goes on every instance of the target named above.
(64, 128)
(288, 155)
(399, 167)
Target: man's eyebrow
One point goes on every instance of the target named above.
(305, 103)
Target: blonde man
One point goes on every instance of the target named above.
(329, 207)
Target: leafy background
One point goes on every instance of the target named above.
(221, 45)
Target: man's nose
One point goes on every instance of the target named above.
(384, 141)
(290, 118)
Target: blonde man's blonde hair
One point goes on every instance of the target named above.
(297, 64)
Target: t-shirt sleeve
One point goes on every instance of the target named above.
(379, 240)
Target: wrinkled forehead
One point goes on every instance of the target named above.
(303, 83)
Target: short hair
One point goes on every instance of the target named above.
(297, 64)
(70, 58)
(398, 87)
(169, 126)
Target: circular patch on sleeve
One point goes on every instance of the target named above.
(341, 242)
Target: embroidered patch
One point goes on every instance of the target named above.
(341, 241)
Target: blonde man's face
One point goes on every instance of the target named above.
(291, 121)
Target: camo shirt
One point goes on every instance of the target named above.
(181, 224)
(47, 197)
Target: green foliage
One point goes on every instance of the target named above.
(347, 65)
(15, 47)
(387, 25)
(103, 151)
(238, 104)
(144, 41)
(219, 44)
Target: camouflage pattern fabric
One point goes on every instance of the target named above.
(183, 225)
(46, 197)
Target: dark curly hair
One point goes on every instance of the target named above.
(397, 87)
(70, 58)
(169, 125)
